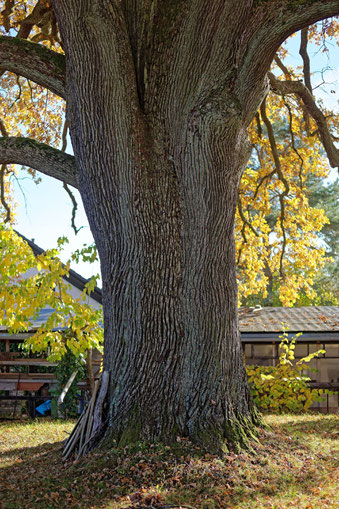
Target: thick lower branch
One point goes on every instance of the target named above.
(41, 157)
(272, 21)
(35, 62)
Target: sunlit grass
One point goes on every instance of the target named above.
(295, 465)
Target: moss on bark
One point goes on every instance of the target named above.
(237, 433)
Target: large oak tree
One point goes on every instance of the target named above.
(159, 99)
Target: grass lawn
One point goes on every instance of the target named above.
(295, 465)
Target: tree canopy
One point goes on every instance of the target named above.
(292, 137)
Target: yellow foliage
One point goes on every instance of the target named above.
(284, 388)
(28, 284)
(276, 228)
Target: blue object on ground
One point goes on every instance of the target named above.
(44, 407)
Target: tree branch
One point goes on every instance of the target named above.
(306, 59)
(282, 67)
(9, 4)
(299, 89)
(34, 18)
(272, 22)
(280, 174)
(3, 169)
(41, 157)
(2, 194)
(243, 218)
(35, 62)
(65, 186)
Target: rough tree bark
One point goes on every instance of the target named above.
(159, 97)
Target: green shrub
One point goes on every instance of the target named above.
(284, 388)
(63, 371)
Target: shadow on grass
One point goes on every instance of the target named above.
(153, 475)
(24, 452)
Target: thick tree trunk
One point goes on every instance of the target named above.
(159, 180)
(170, 294)
(171, 330)
(158, 124)
(159, 96)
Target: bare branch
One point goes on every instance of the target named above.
(261, 181)
(306, 58)
(278, 168)
(74, 208)
(282, 67)
(2, 194)
(299, 89)
(41, 157)
(289, 75)
(290, 116)
(257, 121)
(271, 23)
(9, 4)
(244, 220)
(35, 62)
(34, 18)
(3, 169)
(64, 137)
(65, 186)
(306, 71)
(274, 148)
(3, 129)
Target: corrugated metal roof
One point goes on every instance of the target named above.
(303, 319)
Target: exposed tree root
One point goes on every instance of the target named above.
(88, 430)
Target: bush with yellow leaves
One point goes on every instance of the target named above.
(284, 388)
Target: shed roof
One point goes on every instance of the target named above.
(303, 319)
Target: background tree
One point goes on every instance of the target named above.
(159, 100)
(326, 284)
(279, 219)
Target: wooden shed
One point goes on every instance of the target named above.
(22, 378)
(261, 329)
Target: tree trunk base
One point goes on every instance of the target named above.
(94, 429)
(237, 434)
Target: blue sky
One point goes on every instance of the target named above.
(44, 210)
(44, 214)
